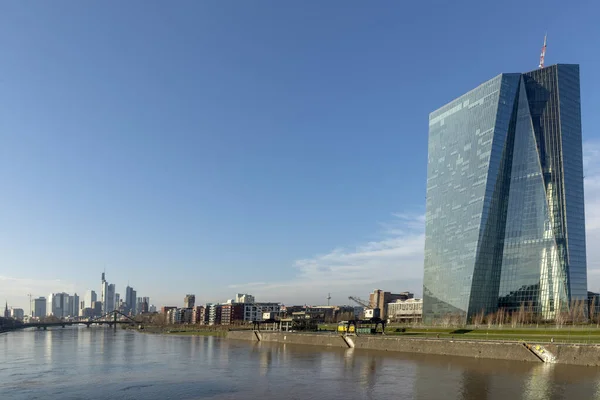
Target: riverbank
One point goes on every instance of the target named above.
(174, 330)
(574, 354)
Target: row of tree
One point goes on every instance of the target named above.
(526, 314)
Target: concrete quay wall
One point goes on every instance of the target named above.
(564, 354)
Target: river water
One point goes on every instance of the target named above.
(100, 363)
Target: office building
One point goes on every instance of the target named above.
(17, 313)
(73, 306)
(90, 297)
(380, 299)
(409, 310)
(58, 305)
(110, 300)
(39, 307)
(254, 311)
(504, 218)
(189, 301)
(96, 308)
(130, 300)
(103, 292)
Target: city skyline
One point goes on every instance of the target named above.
(243, 146)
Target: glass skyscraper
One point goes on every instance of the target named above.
(505, 211)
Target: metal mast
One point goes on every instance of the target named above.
(543, 55)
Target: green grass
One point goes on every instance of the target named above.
(545, 333)
(560, 335)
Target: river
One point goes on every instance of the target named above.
(100, 363)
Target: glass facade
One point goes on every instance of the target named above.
(505, 219)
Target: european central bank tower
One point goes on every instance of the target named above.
(505, 221)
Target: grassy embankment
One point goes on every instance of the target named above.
(184, 330)
(568, 334)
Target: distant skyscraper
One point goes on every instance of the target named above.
(103, 293)
(58, 305)
(189, 301)
(73, 305)
(505, 221)
(39, 307)
(117, 301)
(130, 300)
(90, 297)
(110, 298)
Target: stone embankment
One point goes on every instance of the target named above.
(517, 351)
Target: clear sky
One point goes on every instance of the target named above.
(272, 147)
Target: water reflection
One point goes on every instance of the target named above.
(65, 363)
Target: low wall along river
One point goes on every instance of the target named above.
(517, 351)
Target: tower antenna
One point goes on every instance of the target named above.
(543, 55)
(328, 298)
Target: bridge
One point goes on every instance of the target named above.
(111, 319)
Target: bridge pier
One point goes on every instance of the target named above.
(87, 325)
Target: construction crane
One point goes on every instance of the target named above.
(543, 55)
(328, 298)
(370, 312)
(359, 301)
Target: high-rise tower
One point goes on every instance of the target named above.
(505, 210)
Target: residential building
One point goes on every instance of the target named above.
(244, 298)
(380, 299)
(39, 307)
(410, 310)
(504, 223)
(89, 298)
(232, 313)
(173, 316)
(185, 315)
(198, 315)
(17, 313)
(214, 314)
(189, 301)
(164, 310)
(152, 308)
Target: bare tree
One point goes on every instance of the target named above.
(593, 310)
(491, 318)
(514, 319)
(478, 318)
(501, 317)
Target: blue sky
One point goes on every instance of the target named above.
(277, 148)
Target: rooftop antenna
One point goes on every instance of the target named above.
(328, 298)
(543, 55)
